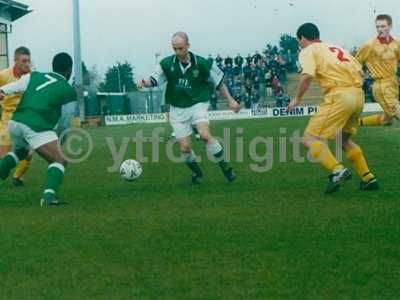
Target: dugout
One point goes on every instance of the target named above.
(10, 11)
(149, 101)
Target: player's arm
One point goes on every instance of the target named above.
(156, 79)
(15, 87)
(69, 95)
(363, 54)
(398, 51)
(217, 78)
(304, 84)
(3, 76)
(309, 69)
(233, 104)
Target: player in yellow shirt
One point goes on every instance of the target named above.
(22, 65)
(381, 56)
(340, 77)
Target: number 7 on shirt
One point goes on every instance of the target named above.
(47, 83)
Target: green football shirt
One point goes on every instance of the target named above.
(43, 96)
(188, 84)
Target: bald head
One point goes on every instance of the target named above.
(180, 36)
(180, 44)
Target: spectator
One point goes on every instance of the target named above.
(229, 73)
(268, 84)
(239, 61)
(237, 71)
(248, 86)
(257, 76)
(254, 98)
(276, 85)
(247, 71)
(230, 85)
(239, 95)
(281, 98)
(218, 60)
(238, 85)
(210, 59)
(247, 100)
(228, 62)
(256, 58)
(214, 100)
(253, 71)
(367, 87)
(249, 59)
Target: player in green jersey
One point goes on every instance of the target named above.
(190, 82)
(32, 125)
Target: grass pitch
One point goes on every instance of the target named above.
(271, 235)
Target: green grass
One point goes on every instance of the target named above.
(270, 235)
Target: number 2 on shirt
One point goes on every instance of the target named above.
(340, 54)
(51, 81)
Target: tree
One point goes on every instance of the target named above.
(289, 43)
(85, 75)
(95, 78)
(119, 78)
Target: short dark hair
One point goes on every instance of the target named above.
(22, 51)
(62, 62)
(387, 18)
(309, 31)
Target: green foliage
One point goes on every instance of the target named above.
(85, 75)
(289, 43)
(119, 78)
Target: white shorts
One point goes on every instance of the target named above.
(23, 137)
(182, 119)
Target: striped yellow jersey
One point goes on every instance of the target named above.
(380, 57)
(332, 66)
(9, 104)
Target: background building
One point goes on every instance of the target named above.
(10, 11)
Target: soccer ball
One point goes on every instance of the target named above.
(130, 170)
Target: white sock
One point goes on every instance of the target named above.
(214, 147)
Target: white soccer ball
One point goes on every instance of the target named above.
(130, 170)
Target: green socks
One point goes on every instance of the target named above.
(55, 176)
(8, 163)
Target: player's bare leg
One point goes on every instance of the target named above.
(355, 155)
(320, 152)
(52, 153)
(190, 159)
(215, 149)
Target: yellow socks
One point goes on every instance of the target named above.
(374, 120)
(356, 157)
(321, 153)
(22, 168)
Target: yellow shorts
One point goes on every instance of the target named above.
(340, 112)
(386, 93)
(5, 139)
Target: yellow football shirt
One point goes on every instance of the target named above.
(331, 66)
(381, 58)
(9, 104)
